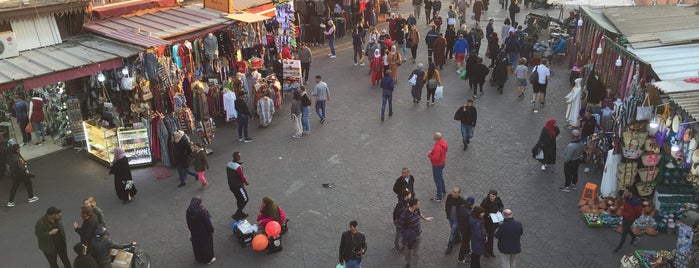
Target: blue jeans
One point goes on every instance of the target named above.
(331, 43)
(243, 125)
(466, 133)
(320, 107)
(399, 235)
(514, 57)
(353, 263)
(454, 235)
(387, 97)
(39, 130)
(181, 172)
(439, 180)
(305, 120)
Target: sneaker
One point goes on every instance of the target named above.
(181, 184)
(23, 144)
(33, 199)
(390, 114)
(355, 64)
(572, 186)
(565, 189)
(362, 64)
(463, 261)
(482, 92)
(435, 199)
(204, 186)
(532, 101)
(305, 133)
(247, 140)
(10, 204)
(382, 118)
(332, 56)
(240, 139)
(212, 260)
(543, 167)
(536, 111)
(322, 121)
(475, 96)
(296, 136)
(635, 241)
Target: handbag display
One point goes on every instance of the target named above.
(644, 112)
(146, 93)
(651, 146)
(647, 174)
(127, 82)
(626, 173)
(650, 159)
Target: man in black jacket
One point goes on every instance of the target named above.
(405, 181)
(244, 116)
(451, 206)
(236, 182)
(463, 214)
(468, 116)
(397, 211)
(101, 246)
(20, 174)
(352, 246)
(87, 229)
(431, 36)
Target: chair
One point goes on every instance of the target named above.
(590, 192)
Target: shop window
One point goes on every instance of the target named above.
(39, 31)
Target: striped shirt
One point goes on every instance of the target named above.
(410, 221)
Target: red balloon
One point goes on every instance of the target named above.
(260, 242)
(273, 229)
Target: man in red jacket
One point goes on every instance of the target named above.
(438, 156)
(631, 212)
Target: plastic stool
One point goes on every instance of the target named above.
(590, 192)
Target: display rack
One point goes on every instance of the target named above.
(100, 142)
(136, 144)
(291, 74)
(75, 117)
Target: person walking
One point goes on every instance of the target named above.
(330, 36)
(512, 46)
(306, 58)
(352, 246)
(36, 117)
(305, 111)
(468, 116)
(478, 36)
(493, 49)
(428, 11)
(20, 175)
(477, 76)
(404, 196)
(86, 230)
(387, 85)
(521, 73)
(413, 41)
(200, 231)
(438, 157)
(403, 183)
(22, 115)
(296, 115)
(630, 212)
(508, 236)
(237, 183)
(430, 38)
(491, 204)
(500, 74)
(409, 226)
(416, 90)
(571, 161)
(440, 47)
(201, 164)
(182, 153)
(52, 237)
(543, 75)
(431, 79)
(394, 61)
(451, 207)
(322, 95)
(417, 5)
(83, 260)
(437, 20)
(450, 36)
(123, 181)
(244, 116)
(376, 65)
(547, 143)
(505, 30)
(463, 215)
(478, 7)
(478, 236)
(357, 45)
(461, 50)
(513, 8)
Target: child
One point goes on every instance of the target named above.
(201, 165)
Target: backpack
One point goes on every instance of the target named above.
(432, 83)
(534, 77)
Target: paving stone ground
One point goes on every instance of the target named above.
(359, 154)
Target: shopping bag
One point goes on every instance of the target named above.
(644, 112)
(29, 128)
(539, 155)
(439, 92)
(463, 75)
(413, 80)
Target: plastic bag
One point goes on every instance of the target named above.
(439, 92)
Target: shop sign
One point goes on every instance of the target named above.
(220, 5)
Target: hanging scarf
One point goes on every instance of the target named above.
(551, 127)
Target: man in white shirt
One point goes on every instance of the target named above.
(540, 86)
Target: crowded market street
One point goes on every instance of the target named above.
(360, 156)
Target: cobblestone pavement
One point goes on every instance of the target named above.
(359, 154)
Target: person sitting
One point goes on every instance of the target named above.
(270, 211)
(101, 245)
(559, 46)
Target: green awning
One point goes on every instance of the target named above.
(599, 19)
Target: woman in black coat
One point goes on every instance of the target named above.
(123, 182)
(500, 70)
(547, 142)
(450, 35)
(493, 49)
(491, 204)
(200, 231)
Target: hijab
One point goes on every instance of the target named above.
(377, 53)
(393, 50)
(551, 127)
(195, 208)
(119, 153)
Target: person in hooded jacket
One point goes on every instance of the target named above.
(200, 231)
(201, 164)
(416, 90)
(463, 216)
(20, 175)
(478, 236)
(493, 49)
(430, 38)
(450, 35)
(101, 245)
(182, 153)
(438, 157)
(547, 143)
(500, 71)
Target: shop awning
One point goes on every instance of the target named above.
(246, 17)
(118, 9)
(653, 26)
(76, 57)
(592, 3)
(163, 25)
(265, 10)
(671, 62)
(685, 94)
(599, 19)
(14, 10)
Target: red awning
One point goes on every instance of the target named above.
(265, 10)
(71, 74)
(8, 85)
(118, 9)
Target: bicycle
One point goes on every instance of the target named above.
(140, 258)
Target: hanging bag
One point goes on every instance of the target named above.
(126, 82)
(644, 112)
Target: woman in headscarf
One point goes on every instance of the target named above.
(376, 65)
(547, 142)
(440, 47)
(123, 182)
(200, 231)
(270, 211)
(493, 49)
(394, 59)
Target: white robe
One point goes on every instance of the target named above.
(608, 186)
(574, 102)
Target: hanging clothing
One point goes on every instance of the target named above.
(265, 108)
(608, 187)
(595, 90)
(162, 138)
(176, 55)
(574, 103)
(229, 105)
(155, 141)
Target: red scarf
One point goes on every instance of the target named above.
(551, 126)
